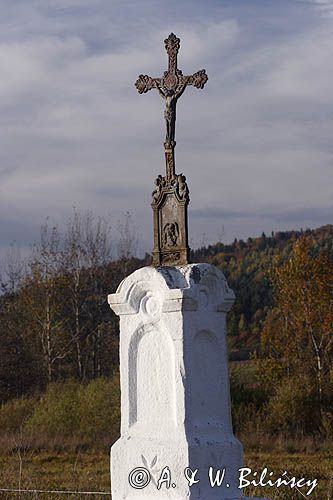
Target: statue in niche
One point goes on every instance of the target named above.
(171, 234)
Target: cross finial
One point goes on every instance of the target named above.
(172, 45)
(170, 87)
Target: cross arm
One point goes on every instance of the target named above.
(145, 83)
(198, 79)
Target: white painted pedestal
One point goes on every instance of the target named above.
(175, 398)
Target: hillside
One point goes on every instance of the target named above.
(246, 265)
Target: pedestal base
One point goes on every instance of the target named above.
(163, 463)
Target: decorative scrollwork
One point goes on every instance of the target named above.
(170, 258)
(172, 44)
(145, 83)
(177, 183)
(170, 163)
(199, 79)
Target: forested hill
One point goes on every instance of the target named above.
(55, 322)
(246, 265)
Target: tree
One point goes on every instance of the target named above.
(87, 253)
(18, 363)
(98, 249)
(297, 339)
(127, 239)
(74, 261)
(242, 327)
(18, 360)
(13, 270)
(41, 297)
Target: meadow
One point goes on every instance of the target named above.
(88, 471)
(60, 440)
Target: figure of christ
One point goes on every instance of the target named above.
(170, 98)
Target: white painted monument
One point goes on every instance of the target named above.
(176, 433)
(175, 399)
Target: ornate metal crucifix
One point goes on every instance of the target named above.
(171, 196)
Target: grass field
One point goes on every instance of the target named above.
(89, 472)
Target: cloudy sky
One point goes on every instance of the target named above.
(256, 144)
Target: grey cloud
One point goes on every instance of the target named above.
(325, 7)
(298, 216)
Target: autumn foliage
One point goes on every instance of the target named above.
(56, 325)
(297, 338)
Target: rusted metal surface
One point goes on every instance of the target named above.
(171, 194)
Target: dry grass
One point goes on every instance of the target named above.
(88, 471)
(54, 471)
(310, 466)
